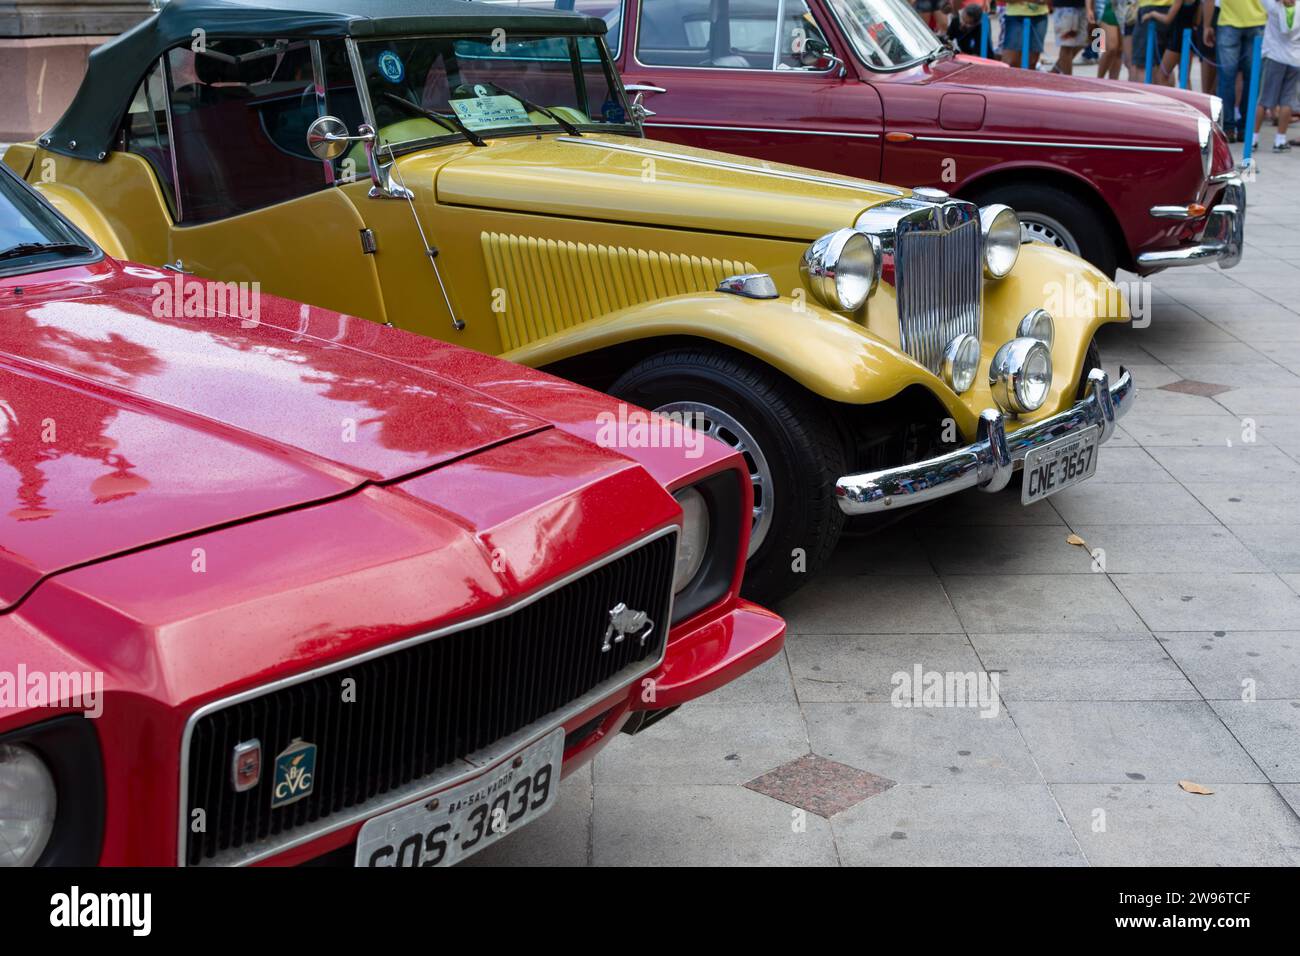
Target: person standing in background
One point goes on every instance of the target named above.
(1180, 15)
(1018, 17)
(1280, 74)
(1240, 21)
(964, 28)
(1114, 18)
(1151, 12)
(1070, 23)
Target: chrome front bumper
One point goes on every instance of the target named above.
(1225, 230)
(989, 463)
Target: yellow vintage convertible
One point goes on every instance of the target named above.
(475, 172)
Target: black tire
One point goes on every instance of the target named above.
(796, 436)
(1057, 211)
(1091, 361)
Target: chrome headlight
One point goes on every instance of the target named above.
(1000, 227)
(1038, 324)
(1020, 375)
(27, 804)
(1203, 130)
(842, 268)
(1216, 111)
(694, 542)
(961, 360)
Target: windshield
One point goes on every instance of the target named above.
(428, 87)
(32, 235)
(885, 33)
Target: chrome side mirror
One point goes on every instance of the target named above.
(327, 137)
(817, 53)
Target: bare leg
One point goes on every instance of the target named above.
(1166, 69)
(1065, 60)
(1112, 52)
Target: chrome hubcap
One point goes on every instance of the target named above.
(716, 423)
(1036, 227)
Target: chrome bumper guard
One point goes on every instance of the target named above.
(1225, 230)
(990, 462)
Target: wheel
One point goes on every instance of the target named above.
(1053, 217)
(788, 439)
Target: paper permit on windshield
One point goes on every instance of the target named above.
(485, 112)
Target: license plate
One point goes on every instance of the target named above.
(444, 828)
(1064, 462)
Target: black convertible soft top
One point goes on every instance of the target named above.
(87, 129)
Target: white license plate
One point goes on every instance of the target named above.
(1064, 462)
(444, 828)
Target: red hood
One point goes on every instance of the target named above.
(119, 429)
(1074, 107)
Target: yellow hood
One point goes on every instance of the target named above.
(622, 179)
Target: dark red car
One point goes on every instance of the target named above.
(1123, 174)
(278, 584)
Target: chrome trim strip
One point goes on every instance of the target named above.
(465, 769)
(318, 81)
(742, 167)
(1170, 212)
(165, 62)
(990, 461)
(767, 129)
(1050, 143)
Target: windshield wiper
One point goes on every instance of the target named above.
(36, 248)
(451, 118)
(535, 108)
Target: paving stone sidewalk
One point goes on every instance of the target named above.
(1114, 686)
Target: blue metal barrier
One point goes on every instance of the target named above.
(1252, 100)
(1185, 61)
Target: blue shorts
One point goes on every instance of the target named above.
(1013, 33)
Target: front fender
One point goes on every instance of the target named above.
(826, 353)
(1081, 300)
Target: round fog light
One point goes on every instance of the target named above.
(961, 360)
(27, 804)
(1038, 324)
(694, 542)
(1020, 375)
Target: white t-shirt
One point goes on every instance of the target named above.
(1282, 42)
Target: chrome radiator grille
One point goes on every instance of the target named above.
(939, 284)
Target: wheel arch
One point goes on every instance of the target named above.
(826, 354)
(862, 426)
(1065, 180)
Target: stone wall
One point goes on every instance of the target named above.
(43, 50)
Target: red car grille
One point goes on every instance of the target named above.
(419, 709)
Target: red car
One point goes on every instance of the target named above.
(277, 584)
(1123, 174)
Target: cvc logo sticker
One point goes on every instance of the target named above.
(295, 773)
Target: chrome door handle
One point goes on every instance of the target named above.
(642, 88)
